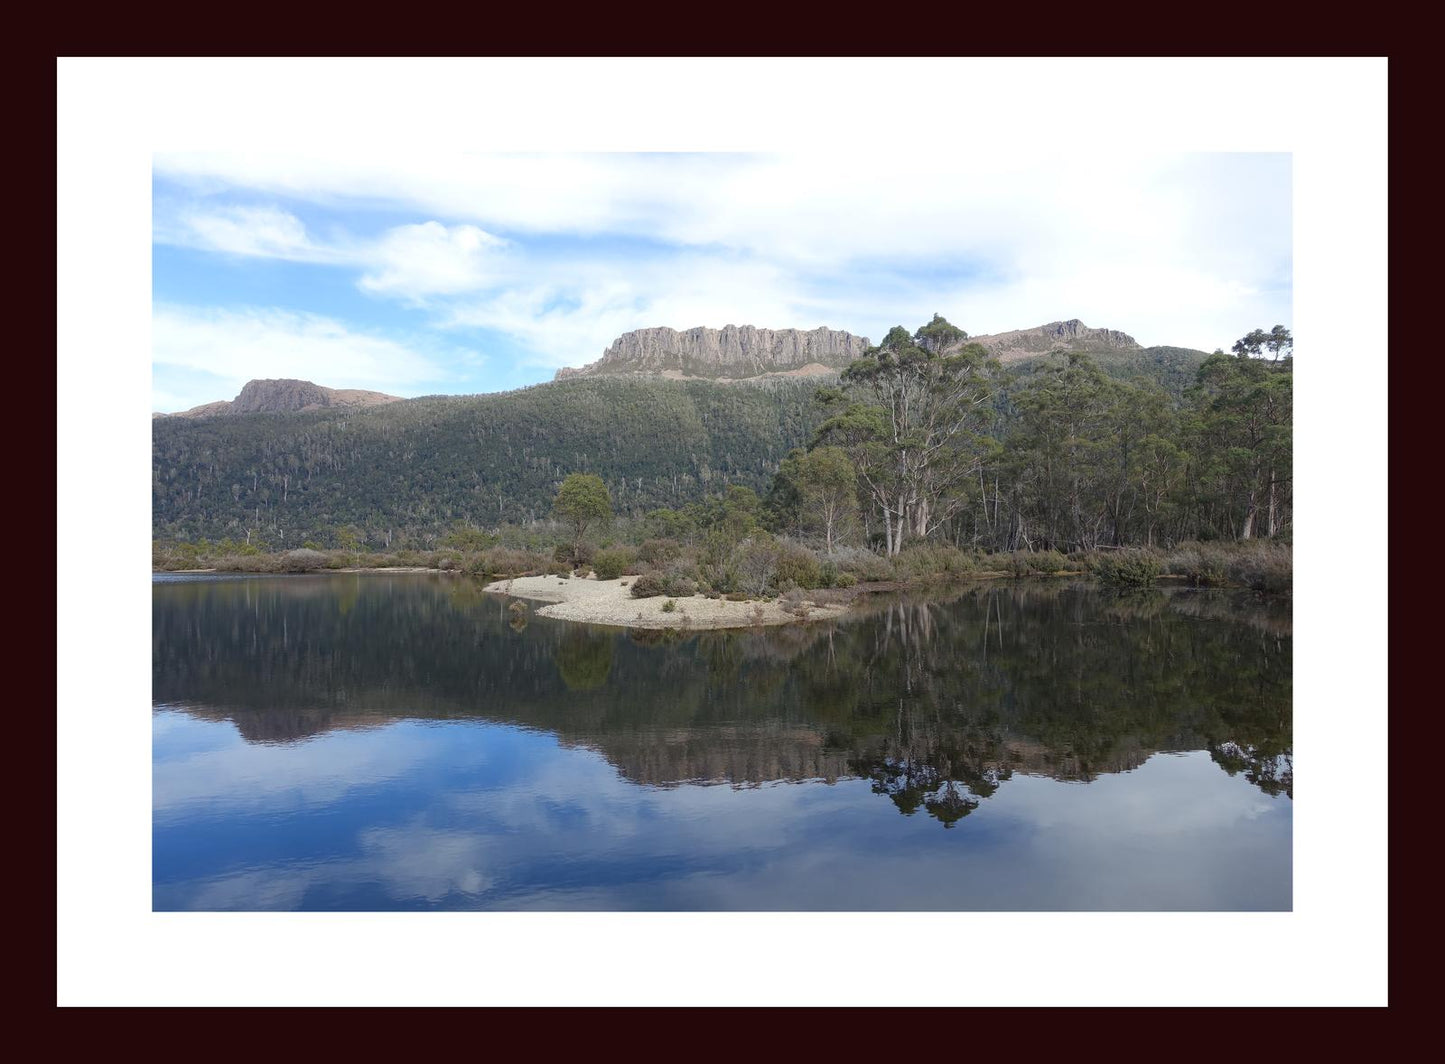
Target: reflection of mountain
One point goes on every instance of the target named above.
(937, 702)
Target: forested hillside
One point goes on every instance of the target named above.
(408, 471)
(421, 465)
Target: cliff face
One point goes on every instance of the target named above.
(732, 352)
(286, 396)
(1071, 335)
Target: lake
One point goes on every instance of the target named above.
(402, 741)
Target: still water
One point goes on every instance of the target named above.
(386, 742)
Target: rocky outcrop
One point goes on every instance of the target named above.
(287, 396)
(1071, 335)
(732, 352)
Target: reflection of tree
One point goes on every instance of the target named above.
(934, 699)
(1271, 770)
(584, 659)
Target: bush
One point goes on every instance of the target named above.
(863, 565)
(302, 560)
(844, 580)
(932, 560)
(797, 566)
(649, 585)
(506, 561)
(581, 556)
(1036, 562)
(1203, 565)
(679, 586)
(611, 563)
(1264, 565)
(658, 552)
(1132, 568)
(669, 606)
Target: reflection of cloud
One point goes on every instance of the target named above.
(502, 817)
(232, 774)
(408, 863)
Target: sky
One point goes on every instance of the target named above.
(464, 272)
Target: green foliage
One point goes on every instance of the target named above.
(1062, 453)
(582, 502)
(614, 562)
(669, 606)
(1035, 563)
(797, 567)
(418, 468)
(1126, 568)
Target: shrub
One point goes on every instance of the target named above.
(563, 552)
(1132, 568)
(1035, 562)
(1262, 565)
(863, 565)
(658, 552)
(302, 560)
(844, 580)
(669, 606)
(754, 564)
(612, 563)
(648, 585)
(932, 560)
(679, 586)
(797, 566)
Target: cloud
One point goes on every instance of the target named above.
(416, 261)
(210, 353)
(262, 232)
(563, 252)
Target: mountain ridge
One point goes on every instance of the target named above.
(284, 395)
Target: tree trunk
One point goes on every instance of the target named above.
(1273, 523)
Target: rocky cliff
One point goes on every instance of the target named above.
(729, 353)
(286, 396)
(1071, 335)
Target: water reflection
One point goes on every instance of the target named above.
(931, 699)
(399, 741)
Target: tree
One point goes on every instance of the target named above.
(1241, 429)
(582, 501)
(1277, 341)
(912, 424)
(829, 487)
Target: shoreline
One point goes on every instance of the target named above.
(610, 603)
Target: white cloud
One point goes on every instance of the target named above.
(266, 232)
(416, 261)
(210, 353)
(1191, 250)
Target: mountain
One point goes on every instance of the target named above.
(1065, 336)
(659, 417)
(423, 464)
(731, 353)
(286, 396)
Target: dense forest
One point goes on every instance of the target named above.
(411, 470)
(410, 473)
(947, 445)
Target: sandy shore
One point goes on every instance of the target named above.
(611, 602)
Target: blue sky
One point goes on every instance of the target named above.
(469, 272)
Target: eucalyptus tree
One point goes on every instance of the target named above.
(582, 501)
(911, 418)
(1241, 428)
